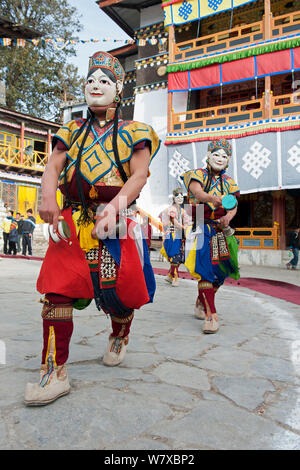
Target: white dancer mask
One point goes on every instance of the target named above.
(100, 90)
(218, 160)
(178, 199)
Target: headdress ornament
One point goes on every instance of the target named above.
(220, 144)
(104, 60)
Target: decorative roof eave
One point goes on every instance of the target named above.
(19, 117)
(16, 177)
(187, 11)
(238, 53)
(14, 30)
(235, 132)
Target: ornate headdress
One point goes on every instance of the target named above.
(104, 60)
(220, 144)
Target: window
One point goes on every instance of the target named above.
(77, 115)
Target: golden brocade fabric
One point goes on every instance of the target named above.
(201, 175)
(98, 164)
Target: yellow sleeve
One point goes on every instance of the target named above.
(196, 175)
(135, 132)
(230, 186)
(68, 133)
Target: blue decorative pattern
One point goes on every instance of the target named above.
(50, 368)
(214, 4)
(184, 13)
(96, 161)
(185, 10)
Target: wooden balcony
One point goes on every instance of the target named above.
(249, 238)
(224, 115)
(285, 24)
(224, 40)
(234, 113)
(258, 238)
(242, 35)
(284, 105)
(12, 158)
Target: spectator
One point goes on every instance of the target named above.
(13, 237)
(294, 246)
(20, 220)
(253, 105)
(6, 229)
(27, 233)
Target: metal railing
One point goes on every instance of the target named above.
(12, 156)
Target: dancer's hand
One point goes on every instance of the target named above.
(216, 201)
(106, 223)
(50, 213)
(225, 221)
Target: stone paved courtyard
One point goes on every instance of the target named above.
(177, 388)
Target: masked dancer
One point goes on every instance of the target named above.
(175, 221)
(100, 161)
(211, 248)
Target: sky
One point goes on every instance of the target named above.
(96, 25)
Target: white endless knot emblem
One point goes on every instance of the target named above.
(294, 159)
(185, 10)
(178, 165)
(256, 159)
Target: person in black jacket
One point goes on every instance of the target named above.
(20, 220)
(294, 246)
(27, 232)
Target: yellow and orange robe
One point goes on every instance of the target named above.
(209, 254)
(98, 166)
(115, 272)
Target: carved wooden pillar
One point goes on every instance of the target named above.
(22, 143)
(267, 19)
(171, 43)
(48, 144)
(279, 215)
(171, 59)
(267, 28)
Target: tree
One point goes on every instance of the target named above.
(38, 78)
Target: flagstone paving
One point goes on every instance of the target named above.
(176, 389)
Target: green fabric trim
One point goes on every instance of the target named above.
(81, 304)
(231, 269)
(259, 50)
(108, 283)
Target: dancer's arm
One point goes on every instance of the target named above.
(49, 210)
(226, 219)
(201, 196)
(139, 164)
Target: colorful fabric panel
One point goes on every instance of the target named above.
(98, 156)
(211, 256)
(65, 269)
(201, 175)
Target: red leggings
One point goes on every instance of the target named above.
(57, 332)
(173, 271)
(206, 295)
